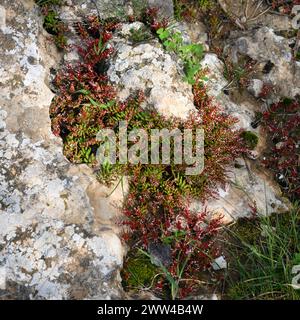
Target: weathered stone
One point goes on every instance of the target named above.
(56, 223)
(255, 87)
(248, 191)
(219, 263)
(275, 52)
(147, 67)
(166, 7)
(252, 13)
(76, 9)
(161, 255)
(244, 112)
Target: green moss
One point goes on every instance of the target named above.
(247, 230)
(251, 139)
(205, 4)
(138, 271)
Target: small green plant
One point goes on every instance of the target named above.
(238, 74)
(250, 138)
(205, 4)
(179, 8)
(139, 35)
(52, 22)
(138, 271)
(173, 281)
(263, 252)
(191, 54)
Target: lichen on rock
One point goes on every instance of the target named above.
(52, 240)
(147, 67)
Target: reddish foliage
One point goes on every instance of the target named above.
(157, 208)
(287, 6)
(167, 219)
(282, 122)
(151, 18)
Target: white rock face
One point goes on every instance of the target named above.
(147, 67)
(255, 87)
(57, 236)
(247, 189)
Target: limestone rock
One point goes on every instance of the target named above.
(76, 9)
(255, 87)
(219, 263)
(52, 236)
(247, 189)
(166, 7)
(244, 112)
(147, 67)
(271, 50)
(252, 14)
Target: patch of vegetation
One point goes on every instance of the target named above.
(138, 272)
(157, 208)
(263, 252)
(139, 35)
(250, 138)
(188, 9)
(282, 124)
(191, 54)
(43, 3)
(238, 74)
(284, 6)
(205, 4)
(52, 23)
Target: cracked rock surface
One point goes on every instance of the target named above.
(57, 238)
(147, 67)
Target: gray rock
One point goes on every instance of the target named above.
(271, 50)
(255, 87)
(161, 254)
(247, 188)
(166, 7)
(147, 67)
(74, 9)
(255, 14)
(219, 264)
(244, 112)
(57, 235)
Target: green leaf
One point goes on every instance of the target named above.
(163, 33)
(83, 91)
(296, 259)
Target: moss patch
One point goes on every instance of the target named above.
(138, 271)
(251, 139)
